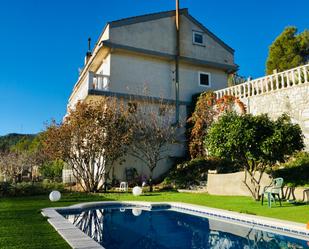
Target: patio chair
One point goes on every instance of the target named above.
(123, 187)
(273, 190)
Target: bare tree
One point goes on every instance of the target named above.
(12, 165)
(91, 138)
(153, 133)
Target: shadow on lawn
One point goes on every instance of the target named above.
(151, 194)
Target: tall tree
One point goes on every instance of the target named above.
(288, 50)
(91, 139)
(153, 134)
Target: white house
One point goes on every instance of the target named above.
(141, 51)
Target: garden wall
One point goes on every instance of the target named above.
(293, 100)
(232, 184)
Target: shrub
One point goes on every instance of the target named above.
(29, 188)
(193, 172)
(295, 171)
(5, 188)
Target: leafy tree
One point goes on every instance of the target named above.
(288, 50)
(52, 169)
(254, 142)
(90, 140)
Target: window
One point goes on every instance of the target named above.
(204, 79)
(198, 38)
(132, 107)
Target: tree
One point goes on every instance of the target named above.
(207, 110)
(288, 50)
(91, 139)
(29, 147)
(153, 134)
(52, 169)
(254, 142)
(12, 165)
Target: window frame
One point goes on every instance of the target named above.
(209, 79)
(193, 38)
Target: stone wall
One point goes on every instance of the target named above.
(293, 100)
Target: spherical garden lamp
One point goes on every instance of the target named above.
(54, 196)
(136, 191)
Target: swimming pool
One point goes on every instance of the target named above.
(181, 226)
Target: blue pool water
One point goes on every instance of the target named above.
(161, 229)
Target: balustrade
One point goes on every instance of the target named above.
(288, 78)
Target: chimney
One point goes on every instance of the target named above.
(88, 54)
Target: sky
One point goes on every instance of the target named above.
(43, 43)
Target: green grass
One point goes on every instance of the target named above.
(22, 225)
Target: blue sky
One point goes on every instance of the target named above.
(43, 43)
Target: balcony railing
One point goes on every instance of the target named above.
(270, 83)
(92, 81)
(98, 81)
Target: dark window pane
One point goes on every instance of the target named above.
(204, 79)
(198, 38)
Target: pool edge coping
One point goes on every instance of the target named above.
(78, 240)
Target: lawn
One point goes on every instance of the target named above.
(22, 225)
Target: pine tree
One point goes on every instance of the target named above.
(288, 50)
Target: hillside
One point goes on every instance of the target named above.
(11, 139)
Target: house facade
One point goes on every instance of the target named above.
(136, 53)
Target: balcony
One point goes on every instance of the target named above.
(91, 81)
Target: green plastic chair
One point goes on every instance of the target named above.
(273, 190)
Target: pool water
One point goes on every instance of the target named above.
(125, 228)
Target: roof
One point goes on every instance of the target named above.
(164, 14)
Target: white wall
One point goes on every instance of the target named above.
(131, 73)
(212, 51)
(105, 66)
(159, 35)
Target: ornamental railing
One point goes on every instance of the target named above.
(269, 83)
(92, 81)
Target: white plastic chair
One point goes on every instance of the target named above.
(123, 186)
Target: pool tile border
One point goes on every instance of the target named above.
(78, 240)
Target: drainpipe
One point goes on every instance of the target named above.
(177, 19)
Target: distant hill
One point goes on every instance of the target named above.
(11, 139)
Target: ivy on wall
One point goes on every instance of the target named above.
(207, 110)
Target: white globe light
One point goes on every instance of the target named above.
(136, 211)
(137, 191)
(54, 195)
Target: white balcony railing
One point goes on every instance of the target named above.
(273, 82)
(98, 81)
(92, 81)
